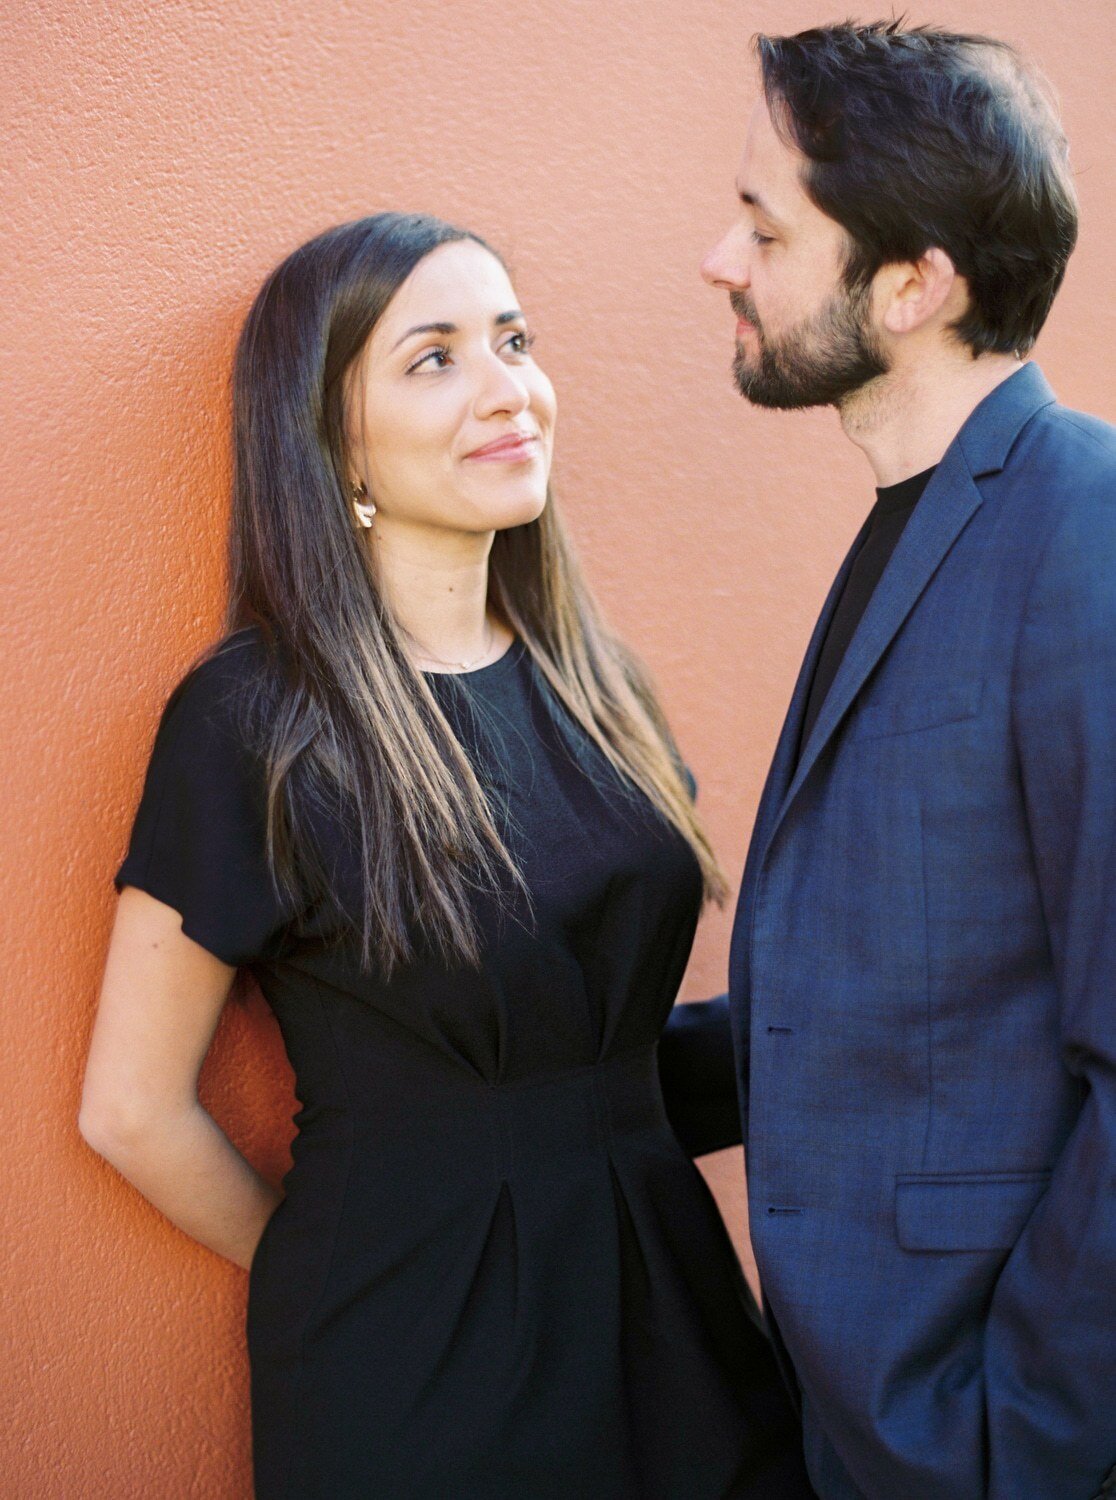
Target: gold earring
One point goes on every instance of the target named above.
(364, 513)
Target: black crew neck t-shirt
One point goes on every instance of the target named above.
(894, 506)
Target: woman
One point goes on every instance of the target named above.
(426, 797)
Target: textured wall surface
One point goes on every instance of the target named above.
(159, 158)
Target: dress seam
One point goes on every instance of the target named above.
(582, 1070)
(297, 1384)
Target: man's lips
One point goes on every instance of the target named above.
(743, 327)
(515, 447)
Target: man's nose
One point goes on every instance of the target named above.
(726, 265)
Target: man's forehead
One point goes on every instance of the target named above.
(767, 177)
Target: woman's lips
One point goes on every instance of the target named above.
(506, 450)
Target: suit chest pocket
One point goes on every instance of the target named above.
(927, 707)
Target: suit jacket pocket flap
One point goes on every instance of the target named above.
(938, 704)
(965, 1211)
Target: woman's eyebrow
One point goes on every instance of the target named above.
(513, 316)
(424, 328)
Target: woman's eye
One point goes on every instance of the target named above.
(520, 343)
(760, 239)
(440, 356)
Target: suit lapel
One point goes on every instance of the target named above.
(945, 508)
(943, 511)
(782, 767)
(949, 501)
(783, 763)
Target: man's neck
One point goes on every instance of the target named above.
(905, 420)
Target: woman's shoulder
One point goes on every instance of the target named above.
(235, 659)
(199, 835)
(218, 686)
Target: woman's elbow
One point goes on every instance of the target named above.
(115, 1126)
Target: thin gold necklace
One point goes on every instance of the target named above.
(463, 666)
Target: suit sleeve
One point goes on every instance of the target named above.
(697, 1070)
(698, 1076)
(1050, 1354)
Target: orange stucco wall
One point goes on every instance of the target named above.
(159, 157)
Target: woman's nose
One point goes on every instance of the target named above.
(500, 388)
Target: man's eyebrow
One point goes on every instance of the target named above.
(753, 200)
(513, 316)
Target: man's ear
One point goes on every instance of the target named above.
(913, 292)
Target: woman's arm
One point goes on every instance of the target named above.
(161, 999)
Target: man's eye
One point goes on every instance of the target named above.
(440, 355)
(760, 239)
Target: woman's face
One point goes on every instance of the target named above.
(451, 421)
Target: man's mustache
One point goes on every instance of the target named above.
(743, 307)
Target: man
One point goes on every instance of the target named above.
(923, 970)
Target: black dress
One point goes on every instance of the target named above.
(495, 1275)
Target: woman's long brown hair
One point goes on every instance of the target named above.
(342, 720)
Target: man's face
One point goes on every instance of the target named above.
(802, 338)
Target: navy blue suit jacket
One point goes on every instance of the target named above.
(923, 991)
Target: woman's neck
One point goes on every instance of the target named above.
(436, 584)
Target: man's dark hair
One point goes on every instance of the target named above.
(916, 137)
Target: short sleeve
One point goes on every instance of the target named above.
(198, 836)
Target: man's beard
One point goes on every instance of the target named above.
(819, 363)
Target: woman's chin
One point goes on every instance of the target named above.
(477, 510)
(517, 506)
